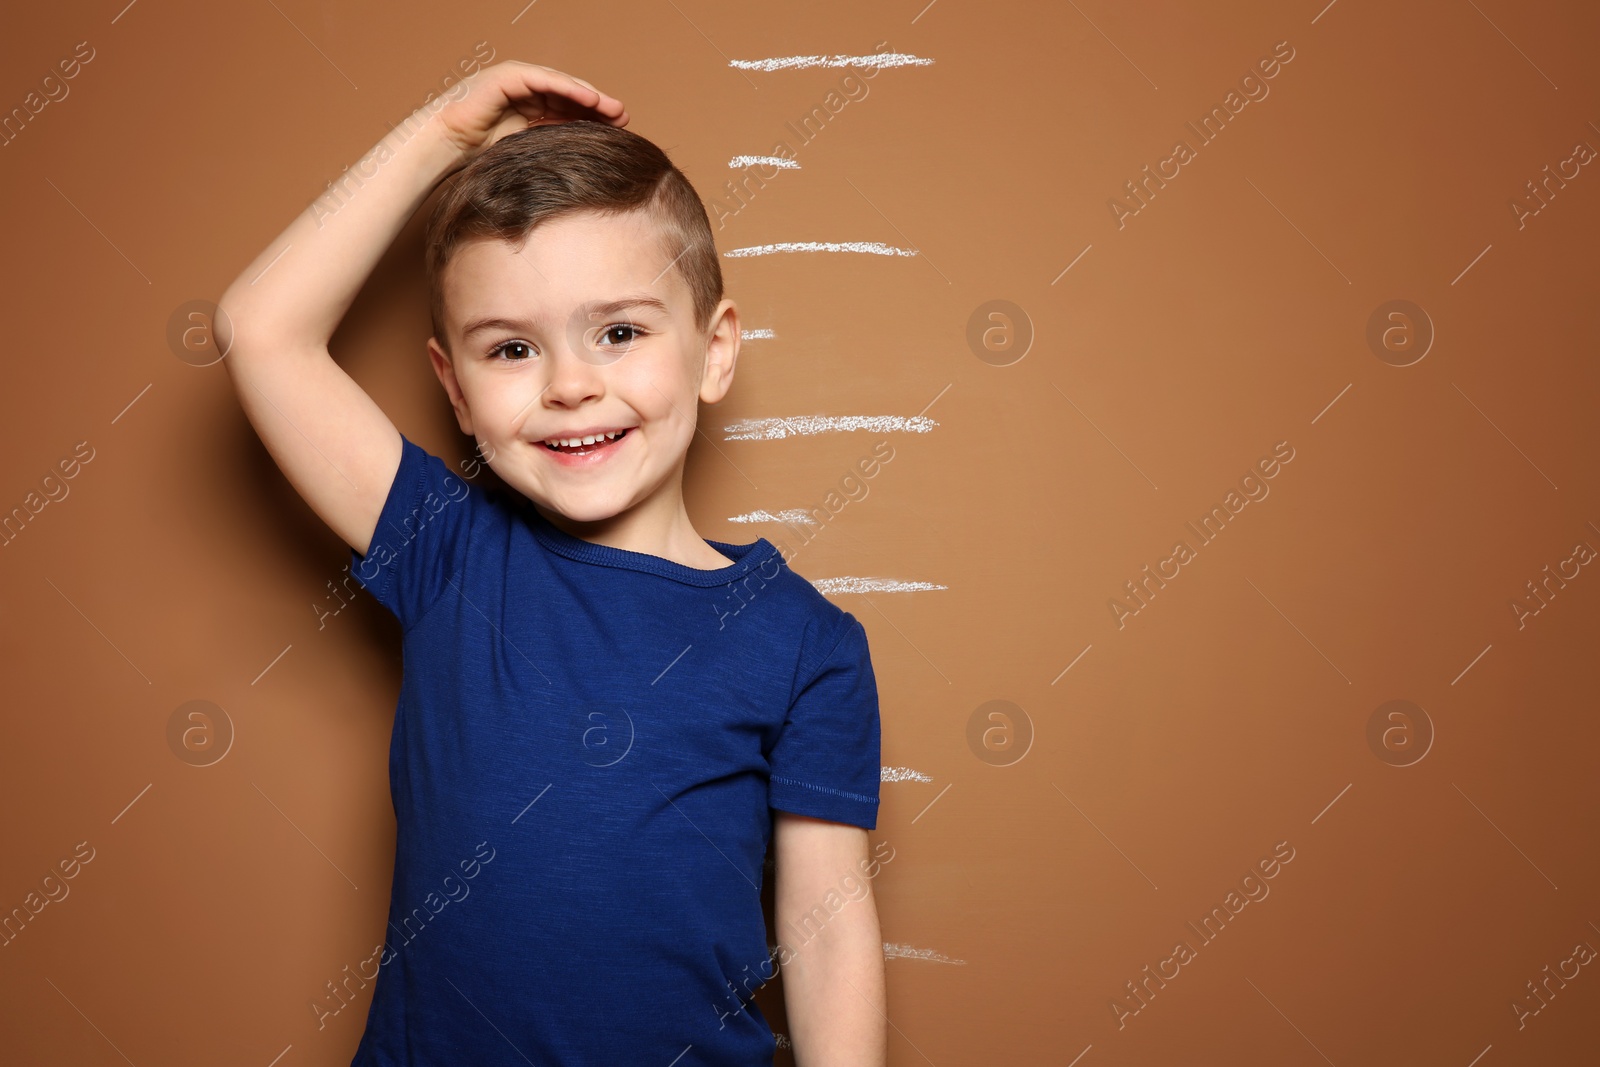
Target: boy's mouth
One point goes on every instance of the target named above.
(585, 445)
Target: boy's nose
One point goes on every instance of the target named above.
(574, 377)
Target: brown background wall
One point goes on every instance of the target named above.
(1440, 860)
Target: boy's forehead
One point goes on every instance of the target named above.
(563, 263)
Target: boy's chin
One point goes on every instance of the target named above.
(585, 510)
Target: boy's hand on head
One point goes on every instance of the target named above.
(512, 96)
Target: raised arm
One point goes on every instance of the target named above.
(334, 444)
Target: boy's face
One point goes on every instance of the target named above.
(590, 327)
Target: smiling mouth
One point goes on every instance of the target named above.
(605, 441)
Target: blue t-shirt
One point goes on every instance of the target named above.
(587, 743)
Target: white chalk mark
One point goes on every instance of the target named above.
(899, 231)
(131, 803)
(827, 586)
(756, 335)
(903, 774)
(1069, 266)
(876, 59)
(1502, 433)
(1069, 666)
(1324, 11)
(1480, 1055)
(124, 11)
(132, 402)
(1474, 263)
(1331, 803)
(924, 11)
(875, 248)
(798, 516)
(1080, 1055)
(281, 1055)
(1332, 402)
(892, 951)
(799, 425)
(1502, 833)
(1469, 666)
(763, 161)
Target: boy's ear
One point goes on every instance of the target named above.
(722, 351)
(446, 371)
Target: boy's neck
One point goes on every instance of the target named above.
(657, 527)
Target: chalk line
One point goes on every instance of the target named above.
(871, 585)
(876, 59)
(763, 161)
(797, 425)
(876, 248)
(788, 515)
(893, 951)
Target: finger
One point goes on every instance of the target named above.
(577, 89)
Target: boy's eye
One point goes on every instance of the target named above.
(621, 333)
(512, 351)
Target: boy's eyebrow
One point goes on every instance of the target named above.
(596, 309)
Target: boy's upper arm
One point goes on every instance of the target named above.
(812, 857)
(331, 440)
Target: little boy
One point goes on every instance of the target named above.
(605, 719)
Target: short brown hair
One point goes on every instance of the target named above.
(544, 172)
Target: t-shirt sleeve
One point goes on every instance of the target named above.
(420, 542)
(826, 761)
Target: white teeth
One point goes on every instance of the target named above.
(578, 442)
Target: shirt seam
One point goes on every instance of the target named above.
(825, 789)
